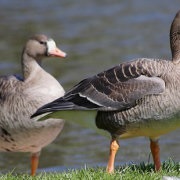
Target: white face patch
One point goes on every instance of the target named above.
(51, 45)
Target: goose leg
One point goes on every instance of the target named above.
(114, 146)
(155, 150)
(34, 162)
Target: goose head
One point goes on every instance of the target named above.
(175, 39)
(40, 46)
(35, 49)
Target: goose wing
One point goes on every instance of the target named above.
(8, 86)
(118, 88)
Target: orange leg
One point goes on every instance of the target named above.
(155, 150)
(34, 163)
(114, 146)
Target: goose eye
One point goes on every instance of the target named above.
(42, 42)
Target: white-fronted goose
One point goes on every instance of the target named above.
(19, 98)
(137, 98)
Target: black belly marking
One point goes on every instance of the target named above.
(34, 146)
(5, 135)
(6, 149)
(5, 132)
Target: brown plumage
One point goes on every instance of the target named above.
(137, 98)
(20, 97)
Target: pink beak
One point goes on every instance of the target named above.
(57, 53)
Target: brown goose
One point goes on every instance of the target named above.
(19, 98)
(137, 98)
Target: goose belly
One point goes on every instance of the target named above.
(152, 117)
(151, 128)
(20, 133)
(30, 139)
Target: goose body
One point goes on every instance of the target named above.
(18, 101)
(136, 98)
(20, 97)
(153, 110)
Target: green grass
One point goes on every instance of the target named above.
(127, 172)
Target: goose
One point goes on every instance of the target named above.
(136, 98)
(20, 97)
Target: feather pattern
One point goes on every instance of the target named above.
(126, 94)
(137, 98)
(115, 89)
(20, 97)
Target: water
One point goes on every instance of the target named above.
(96, 35)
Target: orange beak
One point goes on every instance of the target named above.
(57, 53)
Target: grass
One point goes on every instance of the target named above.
(127, 172)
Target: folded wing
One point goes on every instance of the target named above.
(118, 88)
